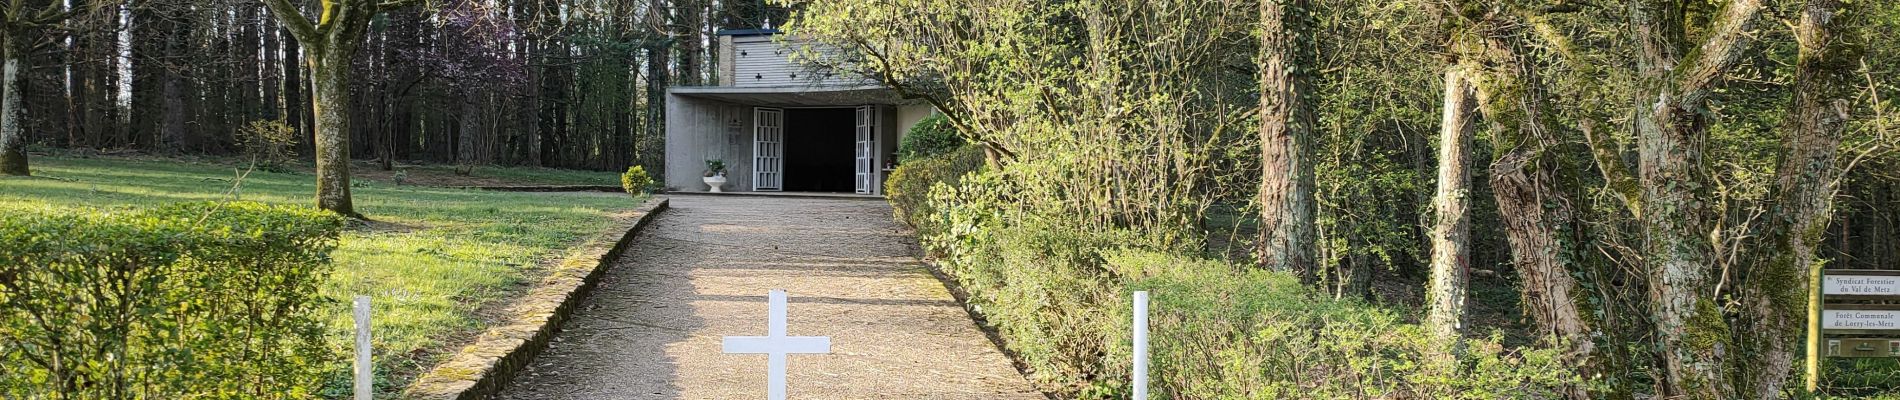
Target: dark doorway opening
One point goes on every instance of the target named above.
(819, 147)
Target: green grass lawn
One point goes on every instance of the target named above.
(432, 258)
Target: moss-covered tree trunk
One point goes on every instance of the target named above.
(329, 43)
(1675, 79)
(1286, 125)
(1451, 225)
(12, 108)
(1775, 294)
(330, 78)
(1689, 323)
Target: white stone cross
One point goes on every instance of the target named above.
(776, 345)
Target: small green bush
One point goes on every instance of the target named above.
(908, 187)
(636, 181)
(195, 300)
(933, 135)
(271, 143)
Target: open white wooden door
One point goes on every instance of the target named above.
(867, 150)
(768, 149)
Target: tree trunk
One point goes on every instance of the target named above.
(1537, 222)
(1451, 226)
(654, 136)
(270, 76)
(1540, 221)
(691, 14)
(12, 106)
(1689, 324)
(469, 130)
(1286, 188)
(1675, 79)
(296, 97)
(330, 73)
(173, 133)
(1805, 186)
(77, 76)
(104, 127)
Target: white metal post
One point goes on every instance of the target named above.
(775, 362)
(363, 382)
(1141, 345)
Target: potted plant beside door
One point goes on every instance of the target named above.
(715, 175)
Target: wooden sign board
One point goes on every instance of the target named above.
(1860, 320)
(1860, 285)
(1881, 288)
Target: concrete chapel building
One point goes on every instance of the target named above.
(783, 126)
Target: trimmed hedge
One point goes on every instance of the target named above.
(932, 136)
(908, 187)
(194, 300)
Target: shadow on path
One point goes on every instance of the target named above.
(652, 329)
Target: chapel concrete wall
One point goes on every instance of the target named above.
(698, 130)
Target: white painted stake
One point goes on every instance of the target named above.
(1141, 345)
(363, 382)
(775, 345)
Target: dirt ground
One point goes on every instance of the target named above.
(702, 271)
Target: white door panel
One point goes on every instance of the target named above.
(768, 149)
(866, 150)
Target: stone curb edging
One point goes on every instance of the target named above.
(483, 368)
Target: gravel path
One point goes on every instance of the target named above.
(652, 330)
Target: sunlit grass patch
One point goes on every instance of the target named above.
(430, 260)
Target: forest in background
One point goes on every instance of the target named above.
(565, 84)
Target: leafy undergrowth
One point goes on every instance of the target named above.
(431, 259)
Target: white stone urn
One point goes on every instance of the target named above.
(715, 182)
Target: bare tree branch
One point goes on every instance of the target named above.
(1621, 181)
(12, 9)
(292, 19)
(1729, 40)
(397, 4)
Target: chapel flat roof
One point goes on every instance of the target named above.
(748, 32)
(795, 95)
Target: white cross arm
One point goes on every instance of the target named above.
(775, 345)
(782, 344)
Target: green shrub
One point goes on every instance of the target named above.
(1058, 294)
(636, 181)
(1039, 281)
(908, 187)
(1221, 332)
(198, 300)
(932, 136)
